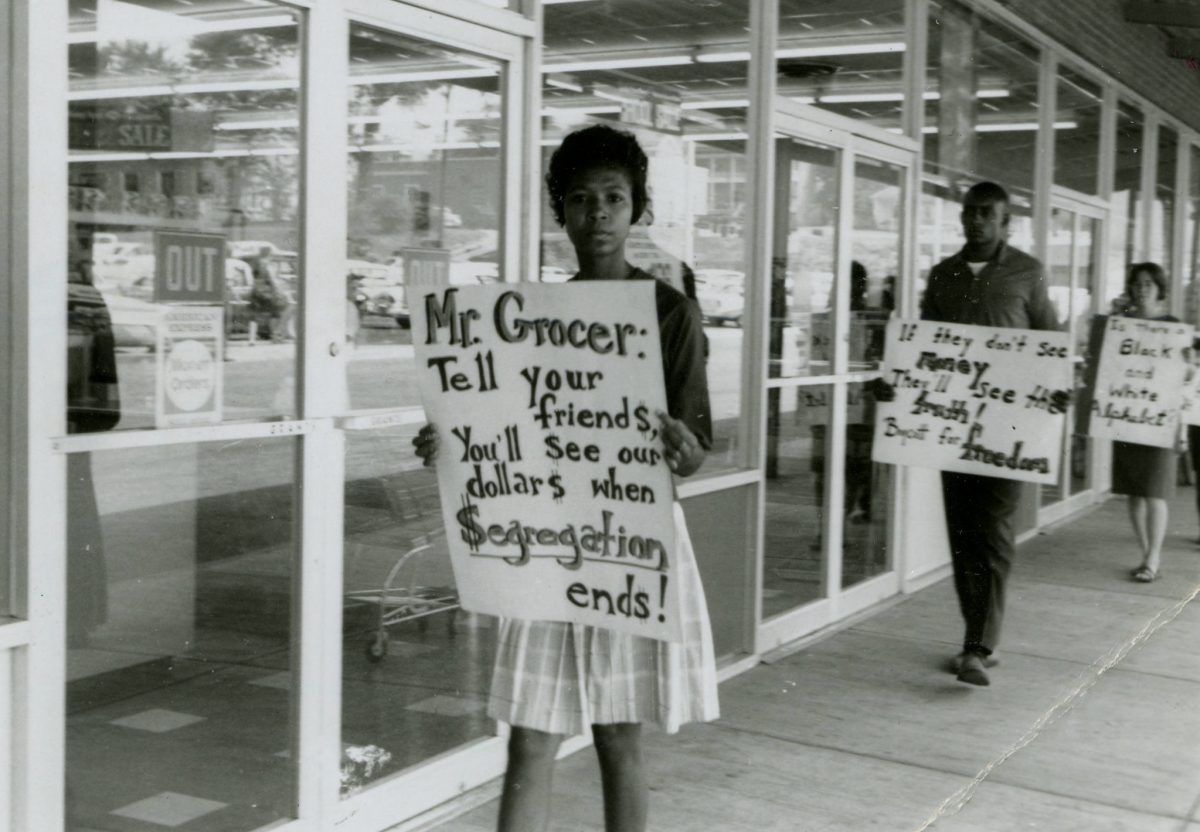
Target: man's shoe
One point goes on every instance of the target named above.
(988, 661)
(970, 670)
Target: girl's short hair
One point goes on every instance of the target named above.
(598, 146)
(1156, 274)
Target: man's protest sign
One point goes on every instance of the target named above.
(1138, 390)
(557, 501)
(974, 399)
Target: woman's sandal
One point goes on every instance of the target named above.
(1144, 574)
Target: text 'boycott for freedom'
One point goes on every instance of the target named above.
(974, 399)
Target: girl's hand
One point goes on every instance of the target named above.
(683, 451)
(426, 443)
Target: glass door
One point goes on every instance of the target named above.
(1073, 281)
(839, 260)
(429, 134)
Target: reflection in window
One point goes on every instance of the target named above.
(798, 441)
(183, 196)
(981, 112)
(1125, 206)
(179, 620)
(1162, 221)
(803, 265)
(845, 58)
(417, 669)
(867, 494)
(1077, 148)
(1190, 271)
(876, 244)
(677, 80)
(424, 193)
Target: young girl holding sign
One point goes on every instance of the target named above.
(1144, 473)
(552, 679)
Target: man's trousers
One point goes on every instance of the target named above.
(979, 520)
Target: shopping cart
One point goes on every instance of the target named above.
(419, 583)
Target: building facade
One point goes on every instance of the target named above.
(226, 599)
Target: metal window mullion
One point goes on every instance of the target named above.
(917, 38)
(317, 576)
(1149, 184)
(1044, 165)
(760, 208)
(835, 482)
(37, 53)
(514, 250)
(1177, 277)
(528, 154)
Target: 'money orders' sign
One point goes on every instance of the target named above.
(557, 502)
(189, 268)
(974, 399)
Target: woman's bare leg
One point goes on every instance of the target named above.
(619, 749)
(525, 799)
(1137, 516)
(1156, 530)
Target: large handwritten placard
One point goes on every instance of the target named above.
(556, 497)
(1139, 380)
(974, 399)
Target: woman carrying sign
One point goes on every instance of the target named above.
(553, 679)
(1144, 473)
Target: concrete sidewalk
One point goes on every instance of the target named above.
(1092, 721)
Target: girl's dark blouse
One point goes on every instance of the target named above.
(681, 335)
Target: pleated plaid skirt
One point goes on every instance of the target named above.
(560, 678)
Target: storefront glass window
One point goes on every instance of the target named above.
(416, 669)
(981, 109)
(1077, 132)
(798, 441)
(180, 683)
(424, 194)
(1162, 218)
(183, 197)
(876, 247)
(1190, 271)
(804, 266)
(867, 494)
(677, 80)
(1125, 210)
(845, 58)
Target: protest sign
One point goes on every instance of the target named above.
(974, 399)
(1139, 380)
(557, 501)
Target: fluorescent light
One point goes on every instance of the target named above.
(563, 83)
(263, 124)
(195, 26)
(717, 104)
(885, 47)
(722, 57)
(1010, 127)
(430, 75)
(575, 112)
(181, 88)
(715, 137)
(619, 63)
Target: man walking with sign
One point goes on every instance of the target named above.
(987, 283)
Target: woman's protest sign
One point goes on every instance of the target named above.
(1140, 375)
(974, 399)
(555, 494)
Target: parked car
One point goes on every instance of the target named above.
(134, 322)
(378, 289)
(721, 295)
